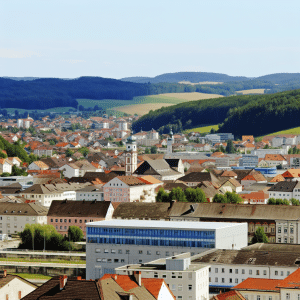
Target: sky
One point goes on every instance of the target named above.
(116, 39)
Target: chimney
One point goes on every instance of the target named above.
(138, 277)
(62, 281)
(115, 277)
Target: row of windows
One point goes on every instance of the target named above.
(285, 240)
(250, 272)
(285, 230)
(70, 220)
(169, 233)
(120, 251)
(151, 242)
(287, 297)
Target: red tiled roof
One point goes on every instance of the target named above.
(260, 284)
(292, 281)
(231, 295)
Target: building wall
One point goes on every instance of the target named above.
(255, 295)
(287, 231)
(104, 258)
(16, 288)
(90, 196)
(231, 274)
(13, 224)
(292, 294)
(233, 237)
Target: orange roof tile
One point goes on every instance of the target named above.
(291, 173)
(278, 178)
(274, 157)
(231, 295)
(260, 284)
(292, 281)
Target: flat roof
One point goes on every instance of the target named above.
(162, 224)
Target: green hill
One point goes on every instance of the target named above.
(267, 114)
(249, 114)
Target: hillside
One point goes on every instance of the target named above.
(193, 77)
(248, 114)
(267, 114)
(191, 114)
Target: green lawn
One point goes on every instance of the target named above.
(204, 129)
(54, 261)
(32, 276)
(295, 130)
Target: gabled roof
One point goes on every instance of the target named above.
(276, 157)
(284, 186)
(259, 284)
(231, 295)
(96, 209)
(292, 281)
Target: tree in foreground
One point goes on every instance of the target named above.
(259, 236)
(75, 234)
(162, 196)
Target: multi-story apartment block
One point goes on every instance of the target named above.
(46, 193)
(111, 244)
(231, 267)
(248, 161)
(14, 216)
(185, 279)
(90, 193)
(63, 214)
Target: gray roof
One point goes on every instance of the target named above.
(249, 258)
(22, 209)
(283, 186)
(156, 167)
(235, 212)
(162, 224)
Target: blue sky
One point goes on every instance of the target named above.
(68, 39)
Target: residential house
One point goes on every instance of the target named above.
(5, 166)
(63, 214)
(90, 193)
(14, 287)
(130, 189)
(16, 161)
(38, 165)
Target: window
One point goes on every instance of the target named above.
(155, 275)
(180, 275)
(140, 251)
(288, 296)
(279, 229)
(276, 272)
(173, 275)
(281, 273)
(173, 287)
(291, 240)
(223, 270)
(157, 252)
(287, 274)
(105, 250)
(265, 272)
(167, 253)
(292, 230)
(258, 297)
(297, 296)
(243, 271)
(120, 251)
(56, 220)
(230, 270)
(250, 272)
(98, 260)
(65, 220)
(190, 287)
(97, 250)
(113, 251)
(216, 270)
(80, 221)
(285, 230)
(285, 240)
(236, 280)
(179, 287)
(127, 251)
(223, 280)
(148, 252)
(270, 297)
(230, 280)
(257, 272)
(216, 279)
(51, 220)
(279, 240)
(236, 271)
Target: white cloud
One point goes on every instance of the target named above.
(11, 53)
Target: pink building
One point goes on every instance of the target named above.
(66, 213)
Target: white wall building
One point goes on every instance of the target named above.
(111, 244)
(261, 153)
(186, 280)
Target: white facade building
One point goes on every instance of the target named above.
(111, 244)
(185, 280)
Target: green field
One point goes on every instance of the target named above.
(54, 261)
(204, 129)
(110, 104)
(295, 130)
(32, 276)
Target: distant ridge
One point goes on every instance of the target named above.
(193, 77)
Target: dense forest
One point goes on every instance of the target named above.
(268, 113)
(190, 114)
(249, 114)
(44, 93)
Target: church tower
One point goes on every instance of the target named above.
(130, 156)
(170, 142)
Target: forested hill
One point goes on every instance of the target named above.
(255, 115)
(193, 77)
(53, 92)
(269, 113)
